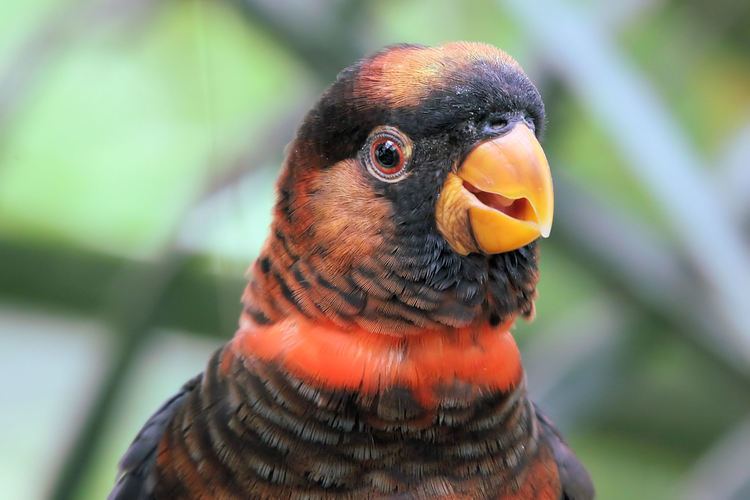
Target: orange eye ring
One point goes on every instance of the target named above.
(387, 154)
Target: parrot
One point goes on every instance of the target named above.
(374, 356)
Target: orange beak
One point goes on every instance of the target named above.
(500, 198)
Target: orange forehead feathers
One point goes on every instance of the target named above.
(403, 76)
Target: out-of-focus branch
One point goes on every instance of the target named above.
(324, 43)
(734, 161)
(76, 280)
(637, 265)
(723, 472)
(655, 149)
(617, 15)
(132, 317)
(259, 153)
(580, 344)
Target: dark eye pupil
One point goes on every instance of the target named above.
(387, 154)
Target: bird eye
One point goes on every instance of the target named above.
(388, 152)
(387, 155)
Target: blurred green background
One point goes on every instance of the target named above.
(139, 142)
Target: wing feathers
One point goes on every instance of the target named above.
(134, 478)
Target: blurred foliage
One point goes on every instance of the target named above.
(134, 130)
(191, 74)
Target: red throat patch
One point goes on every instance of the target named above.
(484, 358)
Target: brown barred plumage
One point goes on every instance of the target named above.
(252, 427)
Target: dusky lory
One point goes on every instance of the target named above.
(374, 357)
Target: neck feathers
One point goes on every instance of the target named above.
(429, 368)
(396, 290)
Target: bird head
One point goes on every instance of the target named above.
(412, 195)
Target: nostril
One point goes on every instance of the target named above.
(497, 123)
